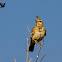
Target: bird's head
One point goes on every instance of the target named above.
(39, 22)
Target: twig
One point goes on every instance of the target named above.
(14, 60)
(28, 45)
(43, 57)
(28, 29)
(27, 49)
(39, 50)
(30, 60)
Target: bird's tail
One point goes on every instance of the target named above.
(31, 48)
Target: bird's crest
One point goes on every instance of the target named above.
(38, 19)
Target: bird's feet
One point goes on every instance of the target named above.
(39, 43)
(36, 41)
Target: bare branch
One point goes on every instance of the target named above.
(28, 29)
(27, 49)
(30, 60)
(43, 57)
(14, 60)
(39, 50)
(28, 45)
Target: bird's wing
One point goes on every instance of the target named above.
(31, 48)
(4, 3)
(45, 32)
(33, 32)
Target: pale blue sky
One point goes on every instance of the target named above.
(13, 29)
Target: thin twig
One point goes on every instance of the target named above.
(30, 60)
(39, 50)
(28, 29)
(28, 45)
(43, 57)
(27, 49)
(14, 60)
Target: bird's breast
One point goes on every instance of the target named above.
(38, 35)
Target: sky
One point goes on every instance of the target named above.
(14, 18)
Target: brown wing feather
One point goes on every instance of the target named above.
(31, 48)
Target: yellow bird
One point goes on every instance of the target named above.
(37, 34)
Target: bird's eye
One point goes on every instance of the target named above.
(40, 21)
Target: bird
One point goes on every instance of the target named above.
(37, 34)
(2, 4)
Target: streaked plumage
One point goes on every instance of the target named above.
(38, 33)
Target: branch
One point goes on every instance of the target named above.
(39, 50)
(30, 60)
(43, 57)
(28, 29)
(14, 60)
(27, 49)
